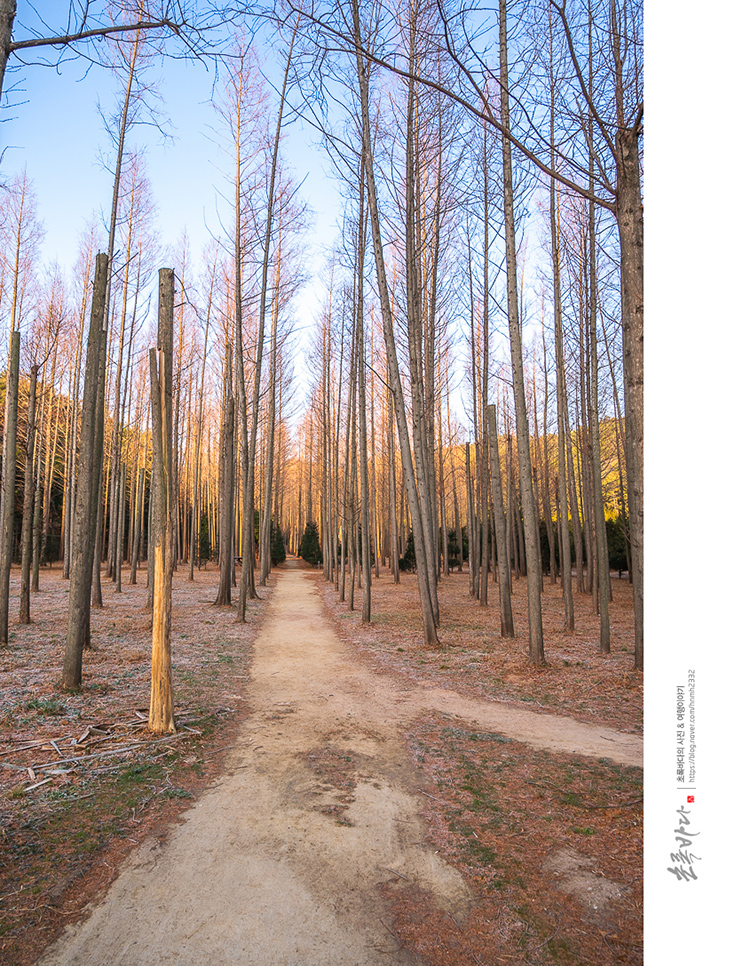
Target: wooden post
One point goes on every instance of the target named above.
(162, 717)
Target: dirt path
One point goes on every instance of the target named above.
(280, 862)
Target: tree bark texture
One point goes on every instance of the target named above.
(9, 472)
(161, 713)
(84, 524)
(500, 528)
(422, 562)
(531, 530)
(26, 534)
(629, 211)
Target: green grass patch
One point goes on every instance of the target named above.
(175, 793)
(46, 706)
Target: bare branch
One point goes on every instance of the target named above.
(67, 39)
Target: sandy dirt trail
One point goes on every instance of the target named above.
(273, 866)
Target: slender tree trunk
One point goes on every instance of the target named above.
(51, 451)
(122, 505)
(26, 534)
(266, 514)
(545, 489)
(419, 363)
(72, 443)
(226, 494)
(362, 411)
(394, 548)
(9, 471)
(37, 511)
(513, 553)
(532, 536)
(96, 595)
(364, 487)
(500, 528)
(194, 533)
(346, 502)
(599, 514)
(84, 530)
(471, 522)
(248, 499)
(428, 609)
(566, 564)
(351, 539)
(373, 465)
(483, 593)
(138, 517)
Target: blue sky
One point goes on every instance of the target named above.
(54, 127)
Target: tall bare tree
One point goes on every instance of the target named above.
(8, 483)
(527, 498)
(85, 514)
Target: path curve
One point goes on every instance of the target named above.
(274, 866)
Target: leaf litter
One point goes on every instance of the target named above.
(82, 780)
(86, 783)
(551, 844)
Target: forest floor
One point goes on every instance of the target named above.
(334, 794)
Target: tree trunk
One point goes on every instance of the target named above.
(96, 596)
(531, 531)
(194, 532)
(602, 574)
(9, 470)
(629, 211)
(226, 494)
(248, 497)
(364, 487)
(84, 528)
(26, 535)
(71, 445)
(266, 509)
(161, 713)
(428, 608)
(122, 506)
(545, 486)
(500, 528)
(7, 16)
(394, 548)
(138, 517)
(471, 523)
(420, 365)
(566, 564)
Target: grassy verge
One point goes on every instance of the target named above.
(550, 844)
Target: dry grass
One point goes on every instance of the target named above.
(550, 845)
(497, 810)
(474, 659)
(513, 819)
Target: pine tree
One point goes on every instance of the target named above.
(309, 548)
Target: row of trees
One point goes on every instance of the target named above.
(126, 458)
(477, 364)
(461, 133)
